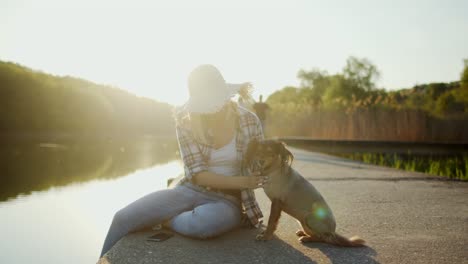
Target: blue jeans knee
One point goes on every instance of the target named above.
(207, 220)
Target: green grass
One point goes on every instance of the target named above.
(453, 167)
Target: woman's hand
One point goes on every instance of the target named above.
(246, 90)
(213, 180)
(256, 181)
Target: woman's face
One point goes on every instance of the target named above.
(218, 117)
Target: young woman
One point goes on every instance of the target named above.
(213, 197)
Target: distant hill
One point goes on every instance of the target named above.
(36, 103)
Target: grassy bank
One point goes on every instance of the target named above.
(453, 167)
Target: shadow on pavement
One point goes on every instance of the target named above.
(238, 246)
(338, 255)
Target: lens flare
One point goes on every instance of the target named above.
(320, 213)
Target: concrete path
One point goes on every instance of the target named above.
(405, 218)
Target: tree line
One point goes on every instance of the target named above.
(33, 102)
(345, 105)
(355, 87)
(349, 105)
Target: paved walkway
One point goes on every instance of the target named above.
(405, 218)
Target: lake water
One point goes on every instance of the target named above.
(58, 200)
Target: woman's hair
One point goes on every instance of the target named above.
(199, 122)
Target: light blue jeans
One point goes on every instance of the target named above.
(188, 212)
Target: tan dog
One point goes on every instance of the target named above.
(291, 193)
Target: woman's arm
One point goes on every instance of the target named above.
(213, 180)
(190, 153)
(198, 174)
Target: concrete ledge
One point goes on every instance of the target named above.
(414, 221)
(353, 146)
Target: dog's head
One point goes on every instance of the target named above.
(267, 155)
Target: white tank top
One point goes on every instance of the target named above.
(224, 160)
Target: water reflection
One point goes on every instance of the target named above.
(63, 220)
(39, 166)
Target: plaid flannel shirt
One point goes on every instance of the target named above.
(195, 154)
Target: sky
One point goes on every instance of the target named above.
(150, 47)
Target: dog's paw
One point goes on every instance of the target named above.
(263, 237)
(304, 239)
(300, 233)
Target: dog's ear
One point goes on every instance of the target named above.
(286, 156)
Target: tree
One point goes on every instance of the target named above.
(316, 82)
(286, 95)
(464, 75)
(361, 72)
(314, 78)
(447, 104)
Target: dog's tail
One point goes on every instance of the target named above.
(339, 240)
